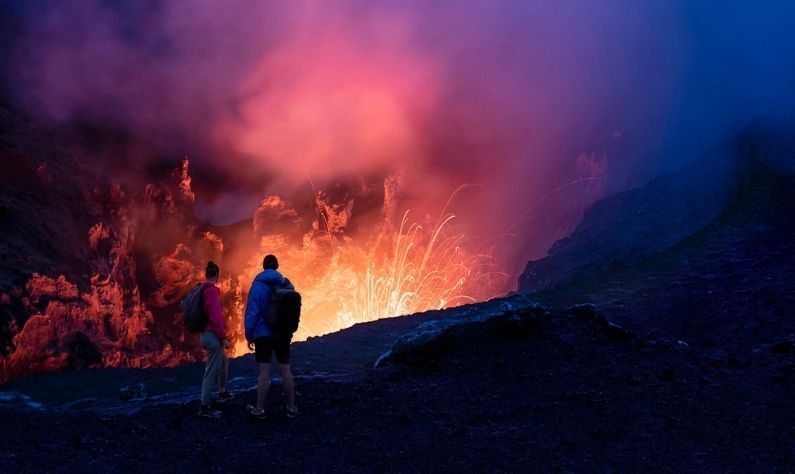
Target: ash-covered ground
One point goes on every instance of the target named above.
(509, 386)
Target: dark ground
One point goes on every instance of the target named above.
(524, 390)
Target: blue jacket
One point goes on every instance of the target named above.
(258, 298)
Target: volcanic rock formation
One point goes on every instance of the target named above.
(716, 269)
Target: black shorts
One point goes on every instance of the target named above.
(265, 346)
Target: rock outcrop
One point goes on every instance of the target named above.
(624, 228)
(139, 252)
(729, 283)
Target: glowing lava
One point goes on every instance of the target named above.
(397, 272)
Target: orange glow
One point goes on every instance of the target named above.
(404, 271)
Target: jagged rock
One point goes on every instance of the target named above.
(78, 251)
(182, 181)
(157, 204)
(214, 242)
(100, 237)
(174, 275)
(107, 321)
(42, 288)
(436, 337)
(110, 202)
(170, 202)
(107, 326)
(273, 215)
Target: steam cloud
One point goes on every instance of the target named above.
(517, 96)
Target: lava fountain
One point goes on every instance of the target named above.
(396, 269)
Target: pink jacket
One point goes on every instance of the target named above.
(215, 315)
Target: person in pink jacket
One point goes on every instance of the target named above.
(214, 340)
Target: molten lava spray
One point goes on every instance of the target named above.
(395, 268)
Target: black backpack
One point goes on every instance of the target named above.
(192, 308)
(284, 309)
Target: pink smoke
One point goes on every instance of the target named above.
(265, 95)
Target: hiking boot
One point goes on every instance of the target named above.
(258, 414)
(292, 412)
(223, 397)
(208, 412)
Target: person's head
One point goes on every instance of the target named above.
(270, 262)
(212, 271)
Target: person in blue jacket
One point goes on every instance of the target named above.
(265, 341)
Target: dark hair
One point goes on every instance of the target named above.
(212, 270)
(270, 262)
